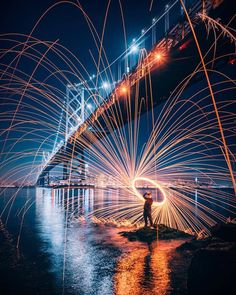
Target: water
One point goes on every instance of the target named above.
(95, 259)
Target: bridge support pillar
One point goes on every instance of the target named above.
(48, 178)
(41, 181)
(82, 165)
(44, 179)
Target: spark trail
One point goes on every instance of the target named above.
(190, 135)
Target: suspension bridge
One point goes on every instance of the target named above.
(168, 60)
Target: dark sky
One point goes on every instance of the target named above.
(66, 24)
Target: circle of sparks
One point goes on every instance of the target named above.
(137, 193)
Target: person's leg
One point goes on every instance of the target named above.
(145, 218)
(150, 219)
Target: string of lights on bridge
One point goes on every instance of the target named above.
(158, 55)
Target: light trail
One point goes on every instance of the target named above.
(155, 184)
(182, 136)
(213, 98)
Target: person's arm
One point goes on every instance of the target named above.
(144, 196)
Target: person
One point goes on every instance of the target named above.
(147, 209)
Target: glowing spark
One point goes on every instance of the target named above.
(154, 183)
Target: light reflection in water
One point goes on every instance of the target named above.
(143, 271)
(98, 259)
(50, 221)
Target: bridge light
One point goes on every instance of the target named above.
(105, 85)
(232, 61)
(158, 56)
(124, 89)
(134, 48)
(153, 20)
(89, 106)
(185, 44)
(143, 31)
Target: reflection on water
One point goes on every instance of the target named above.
(95, 259)
(142, 271)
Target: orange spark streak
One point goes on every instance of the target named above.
(213, 98)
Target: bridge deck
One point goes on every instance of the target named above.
(180, 63)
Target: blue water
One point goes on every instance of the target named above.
(61, 252)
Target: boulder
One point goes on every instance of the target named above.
(226, 231)
(212, 270)
(147, 234)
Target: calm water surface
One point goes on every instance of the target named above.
(94, 260)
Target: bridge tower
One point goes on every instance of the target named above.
(74, 117)
(74, 107)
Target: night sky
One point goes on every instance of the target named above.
(65, 25)
(65, 22)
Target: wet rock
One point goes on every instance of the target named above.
(221, 235)
(195, 244)
(147, 234)
(213, 262)
(212, 270)
(165, 233)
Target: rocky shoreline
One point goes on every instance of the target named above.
(213, 263)
(147, 234)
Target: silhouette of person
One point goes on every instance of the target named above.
(147, 209)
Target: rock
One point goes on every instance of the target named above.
(212, 270)
(144, 234)
(147, 234)
(220, 233)
(226, 232)
(195, 244)
(165, 233)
